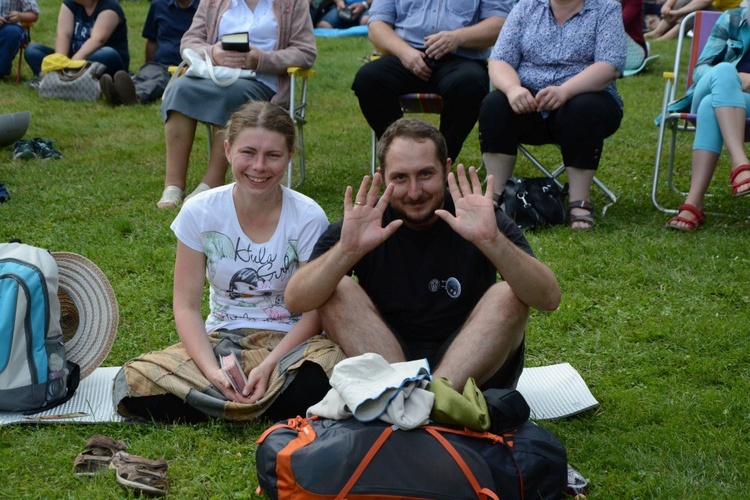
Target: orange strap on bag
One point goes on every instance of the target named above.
(481, 492)
(305, 435)
(365, 462)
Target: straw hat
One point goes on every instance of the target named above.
(89, 312)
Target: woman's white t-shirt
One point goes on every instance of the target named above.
(247, 279)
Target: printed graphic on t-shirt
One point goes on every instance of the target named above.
(248, 279)
(81, 33)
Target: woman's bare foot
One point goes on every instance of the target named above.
(689, 218)
(740, 179)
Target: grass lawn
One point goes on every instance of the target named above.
(655, 321)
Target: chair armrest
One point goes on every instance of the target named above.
(300, 72)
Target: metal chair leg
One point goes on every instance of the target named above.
(607, 192)
(373, 151)
(559, 170)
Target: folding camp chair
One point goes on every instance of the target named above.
(410, 103)
(24, 42)
(297, 111)
(681, 122)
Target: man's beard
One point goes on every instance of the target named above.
(420, 219)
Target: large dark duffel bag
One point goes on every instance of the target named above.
(322, 458)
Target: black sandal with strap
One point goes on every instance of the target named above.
(585, 219)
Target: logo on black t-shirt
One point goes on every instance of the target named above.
(452, 286)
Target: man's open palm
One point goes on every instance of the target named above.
(475, 213)
(363, 217)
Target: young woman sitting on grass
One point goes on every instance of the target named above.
(87, 30)
(247, 238)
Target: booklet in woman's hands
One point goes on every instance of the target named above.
(231, 367)
(236, 41)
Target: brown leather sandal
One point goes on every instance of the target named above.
(141, 474)
(585, 219)
(97, 455)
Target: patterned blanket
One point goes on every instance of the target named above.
(172, 371)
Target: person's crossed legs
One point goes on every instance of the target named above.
(486, 348)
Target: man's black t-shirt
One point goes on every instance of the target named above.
(425, 283)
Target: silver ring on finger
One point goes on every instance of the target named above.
(358, 203)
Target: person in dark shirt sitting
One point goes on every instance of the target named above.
(87, 30)
(166, 22)
(426, 255)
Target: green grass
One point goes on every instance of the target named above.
(655, 321)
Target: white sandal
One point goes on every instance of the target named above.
(171, 197)
(201, 188)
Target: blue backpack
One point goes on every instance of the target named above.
(34, 372)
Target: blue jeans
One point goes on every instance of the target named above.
(108, 56)
(10, 41)
(332, 18)
(720, 87)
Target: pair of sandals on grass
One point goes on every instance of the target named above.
(697, 215)
(140, 474)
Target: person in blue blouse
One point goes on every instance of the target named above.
(719, 96)
(554, 67)
(88, 30)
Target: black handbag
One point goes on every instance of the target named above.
(534, 202)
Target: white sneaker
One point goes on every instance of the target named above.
(171, 197)
(201, 187)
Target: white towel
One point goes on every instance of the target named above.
(368, 387)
